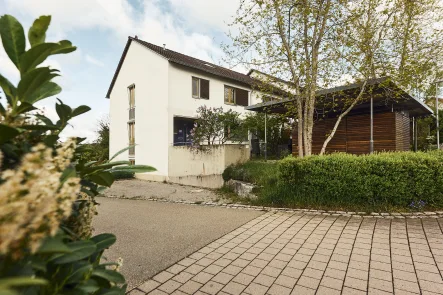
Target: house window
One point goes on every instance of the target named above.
(131, 161)
(200, 88)
(131, 135)
(131, 102)
(182, 131)
(236, 96)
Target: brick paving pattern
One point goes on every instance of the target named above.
(302, 253)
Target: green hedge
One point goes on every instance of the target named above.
(382, 180)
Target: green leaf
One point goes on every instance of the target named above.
(9, 90)
(80, 110)
(13, 38)
(110, 275)
(6, 282)
(24, 108)
(102, 178)
(68, 173)
(64, 111)
(44, 119)
(37, 33)
(46, 90)
(39, 127)
(35, 56)
(79, 273)
(65, 46)
(104, 241)
(79, 250)
(7, 133)
(53, 245)
(32, 81)
(134, 168)
(105, 166)
(121, 151)
(50, 140)
(89, 287)
(113, 291)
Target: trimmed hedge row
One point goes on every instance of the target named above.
(382, 180)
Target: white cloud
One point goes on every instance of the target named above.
(94, 61)
(187, 26)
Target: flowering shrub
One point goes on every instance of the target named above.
(214, 126)
(46, 189)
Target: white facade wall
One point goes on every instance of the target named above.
(149, 72)
(162, 90)
(181, 102)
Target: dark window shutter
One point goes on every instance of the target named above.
(241, 97)
(204, 89)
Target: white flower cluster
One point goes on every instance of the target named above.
(34, 200)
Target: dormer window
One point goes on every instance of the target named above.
(200, 88)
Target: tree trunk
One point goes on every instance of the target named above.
(342, 115)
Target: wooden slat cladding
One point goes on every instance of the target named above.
(403, 131)
(391, 132)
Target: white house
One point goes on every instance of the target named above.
(154, 95)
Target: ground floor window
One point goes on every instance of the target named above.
(182, 130)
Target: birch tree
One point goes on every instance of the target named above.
(315, 43)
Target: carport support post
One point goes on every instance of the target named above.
(413, 133)
(266, 137)
(371, 140)
(416, 135)
(436, 115)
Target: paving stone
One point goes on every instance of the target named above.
(264, 280)
(190, 287)
(148, 286)
(163, 276)
(302, 290)
(234, 288)
(297, 253)
(212, 287)
(170, 286)
(256, 289)
(279, 290)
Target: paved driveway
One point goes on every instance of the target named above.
(153, 235)
(295, 253)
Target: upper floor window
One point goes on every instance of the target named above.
(236, 96)
(131, 96)
(200, 88)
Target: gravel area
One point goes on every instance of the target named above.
(142, 190)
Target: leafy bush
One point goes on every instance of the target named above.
(47, 190)
(384, 180)
(257, 172)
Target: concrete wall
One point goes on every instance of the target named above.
(204, 168)
(149, 72)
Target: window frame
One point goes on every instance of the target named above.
(198, 96)
(131, 96)
(234, 89)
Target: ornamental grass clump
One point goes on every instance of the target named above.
(34, 199)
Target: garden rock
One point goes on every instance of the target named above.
(242, 189)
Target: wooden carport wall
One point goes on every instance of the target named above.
(382, 92)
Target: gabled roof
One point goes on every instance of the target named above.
(184, 60)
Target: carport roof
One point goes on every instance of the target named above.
(387, 96)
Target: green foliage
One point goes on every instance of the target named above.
(384, 181)
(258, 172)
(214, 126)
(98, 150)
(378, 182)
(277, 129)
(68, 263)
(65, 266)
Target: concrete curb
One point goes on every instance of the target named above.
(393, 215)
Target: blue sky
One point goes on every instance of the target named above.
(99, 28)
